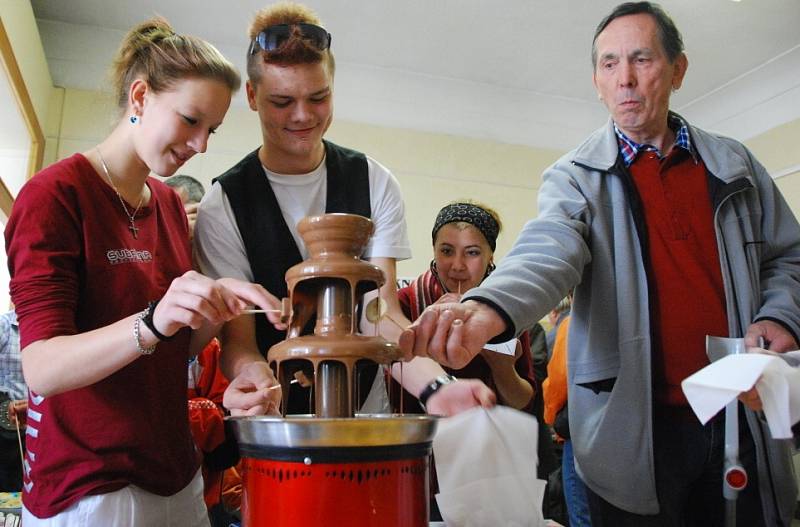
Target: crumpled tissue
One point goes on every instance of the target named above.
(777, 383)
(486, 466)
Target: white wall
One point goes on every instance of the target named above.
(432, 169)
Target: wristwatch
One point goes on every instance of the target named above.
(434, 387)
(147, 318)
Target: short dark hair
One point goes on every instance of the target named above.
(194, 189)
(668, 33)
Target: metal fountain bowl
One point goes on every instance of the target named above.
(308, 431)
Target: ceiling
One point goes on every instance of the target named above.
(514, 71)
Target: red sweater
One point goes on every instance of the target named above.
(76, 267)
(687, 295)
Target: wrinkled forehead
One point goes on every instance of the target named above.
(628, 35)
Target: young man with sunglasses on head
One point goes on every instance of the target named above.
(246, 226)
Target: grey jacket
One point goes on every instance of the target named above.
(586, 235)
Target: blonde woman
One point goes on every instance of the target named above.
(101, 277)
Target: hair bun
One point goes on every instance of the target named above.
(155, 29)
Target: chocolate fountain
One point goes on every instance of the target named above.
(335, 466)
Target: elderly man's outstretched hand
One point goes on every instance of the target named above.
(452, 334)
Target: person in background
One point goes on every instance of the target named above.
(555, 318)
(13, 404)
(668, 233)
(191, 192)
(246, 226)
(108, 305)
(206, 388)
(545, 448)
(464, 238)
(556, 412)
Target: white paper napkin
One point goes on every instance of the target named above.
(486, 465)
(508, 347)
(777, 383)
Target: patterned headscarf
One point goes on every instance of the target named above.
(468, 213)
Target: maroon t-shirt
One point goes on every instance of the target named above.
(76, 267)
(685, 278)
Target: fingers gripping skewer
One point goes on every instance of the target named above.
(285, 310)
(299, 378)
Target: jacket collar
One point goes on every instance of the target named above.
(600, 151)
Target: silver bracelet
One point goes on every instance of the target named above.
(138, 336)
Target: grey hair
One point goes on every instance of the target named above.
(194, 189)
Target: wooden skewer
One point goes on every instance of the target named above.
(393, 321)
(376, 311)
(299, 377)
(285, 310)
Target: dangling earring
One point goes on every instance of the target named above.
(435, 273)
(134, 119)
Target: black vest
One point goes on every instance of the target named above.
(268, 241)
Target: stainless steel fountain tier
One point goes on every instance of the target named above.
(370, 471)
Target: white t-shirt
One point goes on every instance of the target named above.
(218, 246)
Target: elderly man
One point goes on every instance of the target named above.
(668, 233)
(246, 225)
(191, 192)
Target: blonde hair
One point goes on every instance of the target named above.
(153, 52)
(295, 50)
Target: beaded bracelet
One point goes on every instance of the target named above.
(144, 350)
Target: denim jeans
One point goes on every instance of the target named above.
(574, 490)
(689, 458)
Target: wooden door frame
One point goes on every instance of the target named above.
(23, 98)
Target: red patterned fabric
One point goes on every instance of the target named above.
(206, 418)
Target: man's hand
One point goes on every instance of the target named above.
(452, 334)
(253, 391)
(775, 338)
(17, 411)
(459, 396)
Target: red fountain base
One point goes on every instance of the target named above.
(354, 472)
(369, 493)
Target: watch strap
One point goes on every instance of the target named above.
(147, 319)
(434, 387)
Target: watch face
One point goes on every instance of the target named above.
(445, 379)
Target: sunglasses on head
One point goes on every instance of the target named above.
(272, 37)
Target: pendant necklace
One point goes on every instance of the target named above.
(131, 217)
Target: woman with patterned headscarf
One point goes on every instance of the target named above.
(464, 239)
